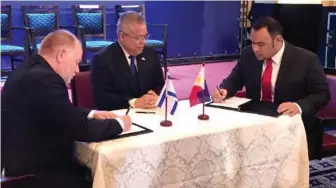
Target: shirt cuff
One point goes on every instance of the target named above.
(132, 102)
(121, 122)
(90, 115)
(298, 107)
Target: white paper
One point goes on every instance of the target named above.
(133, 129)
(232, 102)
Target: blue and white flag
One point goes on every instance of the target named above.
(169, 91)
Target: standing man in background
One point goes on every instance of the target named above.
(39, 123)
(276, 71)
(127, 73)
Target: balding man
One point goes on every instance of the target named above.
(39, 123)
(127, 73)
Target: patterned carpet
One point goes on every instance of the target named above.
(323, 173)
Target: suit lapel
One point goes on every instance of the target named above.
(126, 70)
(141, 67)
(258, 75)
(283, 72)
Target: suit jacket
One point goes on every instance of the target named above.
(39, 123)
(112, 80)
(300, 79)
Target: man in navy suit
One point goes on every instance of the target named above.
(39, 124)
(274, 70)
(127, 73)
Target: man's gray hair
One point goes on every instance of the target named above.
(129, 18)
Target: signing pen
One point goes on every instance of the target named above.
(141, 112)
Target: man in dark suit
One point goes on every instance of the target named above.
(39, 123)
(127, 73)
(276, 71)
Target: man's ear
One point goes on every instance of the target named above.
(60, 55)
(278, 38)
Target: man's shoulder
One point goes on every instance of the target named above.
(149, 51)
(300, 52)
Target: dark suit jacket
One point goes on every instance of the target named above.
(39, 123)
(113, 83)
(300, 79)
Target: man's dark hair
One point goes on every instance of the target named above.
(272, 25)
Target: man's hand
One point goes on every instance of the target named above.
(127, 122)
(147, 101)
(101, 115)
(219, 96)
(288, 108)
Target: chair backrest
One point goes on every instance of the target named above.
(82, 90)
(6, 22)
(92, 18)
(120, 9)
(27, 181)
(41, 19)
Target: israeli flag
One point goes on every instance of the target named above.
(168, 93)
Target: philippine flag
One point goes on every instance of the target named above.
(200, 87)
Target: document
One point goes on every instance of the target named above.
(134, 129)
(248, 106)
(232, 102)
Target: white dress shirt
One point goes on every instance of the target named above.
(277, 58)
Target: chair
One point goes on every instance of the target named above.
(26, 181)
(42, 20)
(9, 49)
(92, 19)
(82, 90)
(327, 118)
(159, 45)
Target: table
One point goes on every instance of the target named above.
(232, 149)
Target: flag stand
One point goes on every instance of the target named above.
(166, 122)
(203, 116)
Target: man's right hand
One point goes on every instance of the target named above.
(219, 96)
(147, 101)
(127, 122)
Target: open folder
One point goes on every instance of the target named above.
(248, 106)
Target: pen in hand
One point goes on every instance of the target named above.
(128, 110)
(221, 93)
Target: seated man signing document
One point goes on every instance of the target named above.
(39, 124)
(274, 70)
(127, 73)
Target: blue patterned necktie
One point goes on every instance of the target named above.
(132, 65)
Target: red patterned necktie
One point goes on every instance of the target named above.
(266, 84)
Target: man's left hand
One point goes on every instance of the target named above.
(288, 108)
(152, 99)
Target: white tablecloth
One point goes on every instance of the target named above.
(232, 149)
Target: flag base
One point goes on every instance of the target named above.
(166, 123)
(203, 117)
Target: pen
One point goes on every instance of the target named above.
(219, 90)
(128, 110)
(141, 112)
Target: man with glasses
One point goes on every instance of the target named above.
(274, 70)
(127, 73)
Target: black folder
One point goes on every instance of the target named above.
(254, 107)
(144, 131)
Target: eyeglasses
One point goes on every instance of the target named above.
(137, 39)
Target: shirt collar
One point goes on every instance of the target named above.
(278, 56)
(126, 54)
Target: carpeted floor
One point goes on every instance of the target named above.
(323, 173)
